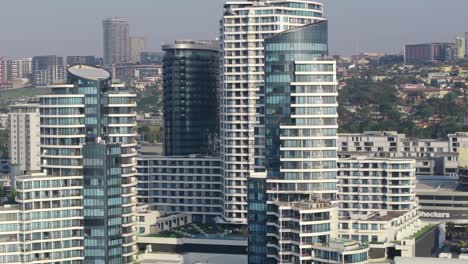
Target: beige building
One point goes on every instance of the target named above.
(137, 46)
(24, 131)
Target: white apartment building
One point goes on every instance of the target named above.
(46, 223)
(433, 157)
(182, 184)
(244, 27)
(368, 185)
(24, 147)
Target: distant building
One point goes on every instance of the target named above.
(427, 52)
(151, 57)
(129, 72)
(116, 41)
(24, 147)
(11, 70)
(460, 43)
(54, 74)
(137, 45)
(190, 87)
(87, 60)
(47, 68)
(466, 44)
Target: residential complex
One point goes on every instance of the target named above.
(24, 131)
(190, 87)
(433, 157)
(428, 52)
(48, 69)
(184, 184)
(368, 185)
(46, 223)
(116, 43)
(252, 168)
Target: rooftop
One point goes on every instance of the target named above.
(437, 184)
(419, 260)
(205, 231)
(89, 72)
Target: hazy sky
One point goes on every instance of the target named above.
(73, 27)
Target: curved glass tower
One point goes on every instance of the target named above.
(301, 114)
(88, 134)
(300, 150)
(190, 88)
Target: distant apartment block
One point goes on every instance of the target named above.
(137, 46)
(11, 70)
(116, 43)
(54, 74)
(426, 52)
(48, 69)
(433, 157)
(129, 72)
(24, 131)
(86, 60)
(151, 57)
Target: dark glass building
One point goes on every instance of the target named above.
(191, 78)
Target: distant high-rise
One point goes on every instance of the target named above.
(137, 46)
(24, 148)
(466, 44)
(88, 136)
(244, 26)
(190, 75)
(116, 41)
(460, 44)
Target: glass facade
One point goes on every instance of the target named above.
(191, 78)
(257, 219)
(281, 52)
(88, 134)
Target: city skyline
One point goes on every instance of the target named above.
(345, 28)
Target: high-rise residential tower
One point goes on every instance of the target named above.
(460, 44)
(301, 153)
(190, 88)
(24, 131)
(244, 27)
(116, 40)
(88, 136)
(137, 46)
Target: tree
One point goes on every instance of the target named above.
(12, 195)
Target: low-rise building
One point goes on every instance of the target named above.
(181, 184)
(442, 199)
(368, 185)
